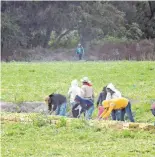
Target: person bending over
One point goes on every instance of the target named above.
(57, 103)
(122, 104)
(83, 106)
(113, 93)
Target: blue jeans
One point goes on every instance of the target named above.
(116, 115)
(128, 111)
(89, 112)
(61, 110)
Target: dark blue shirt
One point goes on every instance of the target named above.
(101, 97)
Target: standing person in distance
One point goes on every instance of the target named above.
(80, 51)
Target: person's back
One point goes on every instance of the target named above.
(87, 91)
(112, 92)
(119, 103)
(58, 99)
(57, 103)
(74, 90)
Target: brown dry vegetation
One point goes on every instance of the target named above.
(142, 50)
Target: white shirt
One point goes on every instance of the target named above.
(115, 95)
(73, 91)
(88, 91)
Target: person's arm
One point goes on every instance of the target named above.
(49, 107)
(98, 100)
(55, 102)
(106, 115)
(103, 113)
(55, 107)
(69, 92)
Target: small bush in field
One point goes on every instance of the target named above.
(61, 123)
(39, 120)
(127, 134)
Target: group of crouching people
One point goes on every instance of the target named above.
(110, 102)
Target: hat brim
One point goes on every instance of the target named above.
(85, 81)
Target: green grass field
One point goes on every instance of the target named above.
(78, 139)
(32, 81)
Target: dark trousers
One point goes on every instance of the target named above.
(80, 56)
(128, 111)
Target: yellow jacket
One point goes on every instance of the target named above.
(113, 104)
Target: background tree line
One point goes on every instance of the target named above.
(28, 24)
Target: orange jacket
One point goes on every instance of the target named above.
(113, 104)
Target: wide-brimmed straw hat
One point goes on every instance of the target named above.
(85, 79)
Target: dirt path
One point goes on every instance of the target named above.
(26, 107)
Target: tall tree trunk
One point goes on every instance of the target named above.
(152, 10)
(47, 37)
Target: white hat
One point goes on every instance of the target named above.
(111, 86)
(85, 79)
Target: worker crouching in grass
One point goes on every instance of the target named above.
(57, 103)
(85, 106)
(121, 104)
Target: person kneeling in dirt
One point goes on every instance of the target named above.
(122, 104)
(153, 110)
(57, 103)
(82, 105)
